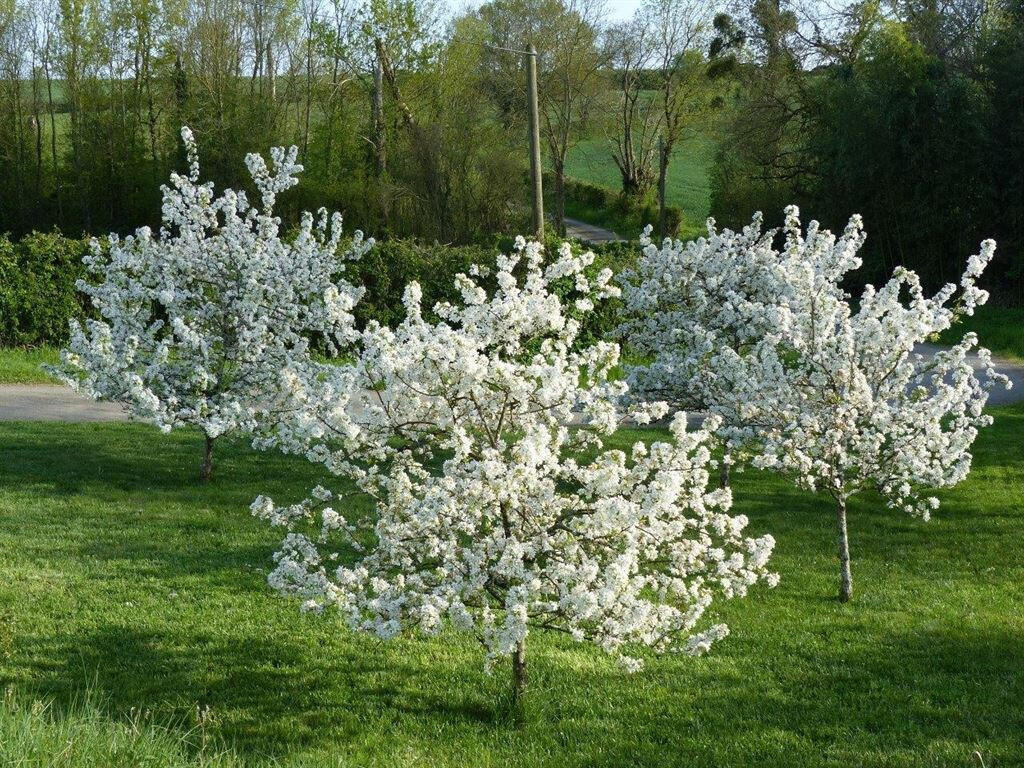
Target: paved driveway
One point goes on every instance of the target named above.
(588, 233)
(52, 402)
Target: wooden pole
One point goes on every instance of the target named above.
(536, 169)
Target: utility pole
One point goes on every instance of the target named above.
(536, 169)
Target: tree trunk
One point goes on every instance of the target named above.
(53, 137)
(271, 74)
(663, 154)
(519, 673)
(723, 473)
(377, 108)
(560, 199)
(206, 470)
(846, 578)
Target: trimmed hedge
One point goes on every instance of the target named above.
(38, 273)
(37, 288)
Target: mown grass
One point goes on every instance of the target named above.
(23, 366)
(125, 583)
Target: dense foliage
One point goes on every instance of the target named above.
(411, 119)
(37, 288)
(407, 124)
(913, 121)
(38, 296)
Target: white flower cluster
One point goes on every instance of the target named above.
(498, 509)
(197, 321)
(837, 396)
(689, 308)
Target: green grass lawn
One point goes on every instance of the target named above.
(130, 596)
(1001, 329)
(22, 366)
(687, 185)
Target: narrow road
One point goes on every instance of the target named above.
(588, 233)
(52, 402)
(998, 395)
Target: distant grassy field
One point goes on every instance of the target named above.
(687, 185)
(137, 629)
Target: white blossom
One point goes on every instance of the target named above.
(196, 321)
(487, 517)
(833, 394)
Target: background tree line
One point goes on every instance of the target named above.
(409, 121)
(412, 120)
(910, 112)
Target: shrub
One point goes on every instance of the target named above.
(38, 297)
(37, 288)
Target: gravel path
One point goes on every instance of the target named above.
(52, 402)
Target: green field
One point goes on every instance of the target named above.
(687, 185)
(130, 597)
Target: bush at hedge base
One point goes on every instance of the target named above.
(37, 288)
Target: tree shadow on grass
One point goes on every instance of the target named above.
(129, 493)
(915, 699)
(267, 697)
(68, 458)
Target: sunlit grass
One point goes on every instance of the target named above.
(23, 366)
(1001, 329)
(125, 583)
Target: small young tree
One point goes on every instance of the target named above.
(488, 516)
(681, 31)
(691, 308)
(843, 399)
(197, 320)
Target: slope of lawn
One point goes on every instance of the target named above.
(1001, 329)
(687, 185)
(136, 628)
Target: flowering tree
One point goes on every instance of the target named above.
(691, 308)
(485, 518)
(839, 399)
(196, 321)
